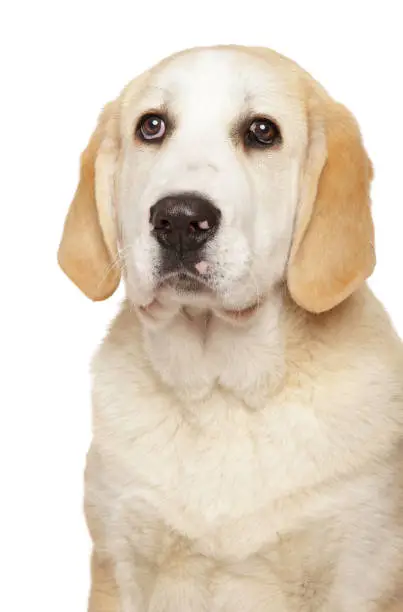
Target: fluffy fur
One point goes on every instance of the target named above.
(247, 442)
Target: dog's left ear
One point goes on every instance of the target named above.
(333, 248)
(88, 249)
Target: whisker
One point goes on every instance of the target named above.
(258, 296)
(116, 263)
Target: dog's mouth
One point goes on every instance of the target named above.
(185, 288)
(183, 281)
(193, 290)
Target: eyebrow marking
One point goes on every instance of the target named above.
(157, 109)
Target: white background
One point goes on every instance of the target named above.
(60, 63)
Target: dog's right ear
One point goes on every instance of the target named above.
(88, 248)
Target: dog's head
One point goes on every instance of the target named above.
(215, 177)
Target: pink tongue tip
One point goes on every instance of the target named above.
(204, 225)
(202, 267)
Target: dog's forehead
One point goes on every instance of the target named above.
(223, 81)
(213, 71)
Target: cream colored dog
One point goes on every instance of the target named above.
(248, 399)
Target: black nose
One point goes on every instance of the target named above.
(184, 222)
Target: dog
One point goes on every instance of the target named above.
(248, 398)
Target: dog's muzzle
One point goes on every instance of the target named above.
(183, 225)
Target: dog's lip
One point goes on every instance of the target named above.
(235, 315)
(183, 273)
(242, 313)
(168, 279)
(146, 308)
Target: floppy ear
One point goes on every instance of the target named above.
(333, 248)
(88, 249)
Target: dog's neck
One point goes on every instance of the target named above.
(197, 350)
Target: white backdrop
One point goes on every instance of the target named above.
(60, 63)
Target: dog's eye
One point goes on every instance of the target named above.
(151, 127)
(262, 133)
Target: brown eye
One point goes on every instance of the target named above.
(262, 133)
(151, 127)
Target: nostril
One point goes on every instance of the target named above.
(204, 225)
(162, 224)
(160, 220)
(200, 227)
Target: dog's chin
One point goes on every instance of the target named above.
(181, 290)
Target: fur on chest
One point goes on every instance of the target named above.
(231, 471)
(205, 466)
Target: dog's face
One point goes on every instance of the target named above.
(216, 176)
(209, 179)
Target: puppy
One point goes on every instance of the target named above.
(248, 399)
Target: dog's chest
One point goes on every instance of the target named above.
(206, 469)
(201, 472)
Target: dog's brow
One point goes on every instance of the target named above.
(164, 94)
